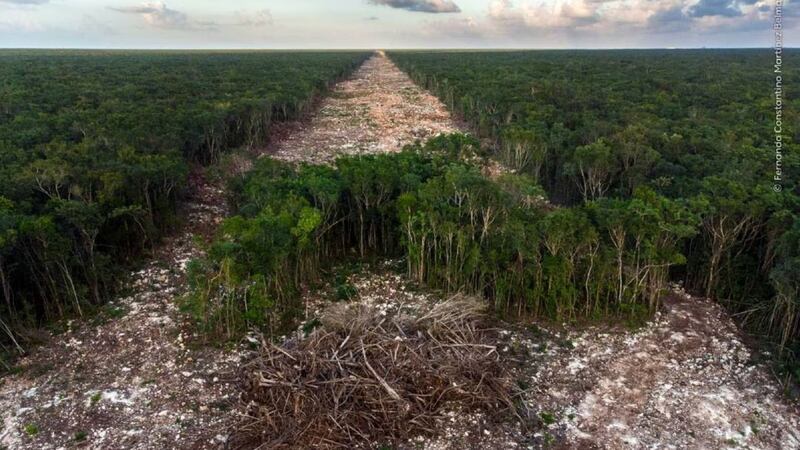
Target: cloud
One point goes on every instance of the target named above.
(612, 15)
(157, 14)
(724, 8)
(456, 29)
(672, 19)
(617, 23)
(790, 9)
(427, 6)
(557, 14)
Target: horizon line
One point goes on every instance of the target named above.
(387, 48)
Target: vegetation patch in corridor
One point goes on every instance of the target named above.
(459, 230)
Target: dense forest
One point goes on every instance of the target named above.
(95, 148)
(692, 127)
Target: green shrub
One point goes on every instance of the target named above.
(31, 429)
(458, 229)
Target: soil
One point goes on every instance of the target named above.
(378, 110)
(683, 380)
(137, 377)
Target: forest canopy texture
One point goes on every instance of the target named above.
(696, 127)
(95, 148)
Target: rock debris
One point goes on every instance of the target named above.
(378, 110)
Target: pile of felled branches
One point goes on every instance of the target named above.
(363, 379)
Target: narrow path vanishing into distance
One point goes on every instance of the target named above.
(378, 110)
(137, 378)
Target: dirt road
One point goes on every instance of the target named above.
(685, 380)
(378, 110)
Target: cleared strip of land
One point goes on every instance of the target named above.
(378, 110)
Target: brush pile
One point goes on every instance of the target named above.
(364, 379)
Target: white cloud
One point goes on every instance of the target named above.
(617, 15)
(490, 24)
(157, 14)
(575, 13)
(607, 23)
(427, 6)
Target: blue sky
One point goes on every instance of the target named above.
(391, 23)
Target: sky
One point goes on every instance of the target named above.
(382, 24)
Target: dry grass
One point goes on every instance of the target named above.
(363, 379)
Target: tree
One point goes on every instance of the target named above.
(8, 238)
(524, 149)
(636, 158)
(784, 318)
(735, 215)
(592, 168)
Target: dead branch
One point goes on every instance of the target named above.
(362, 380)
